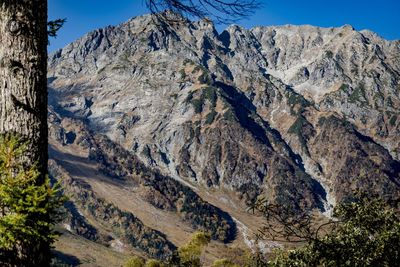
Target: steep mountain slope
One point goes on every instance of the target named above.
(196, 123)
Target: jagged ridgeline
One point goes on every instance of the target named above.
(170, 128)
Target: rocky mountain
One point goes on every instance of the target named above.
(159, 129)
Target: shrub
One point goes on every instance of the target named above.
(364, 232)
(29, 209)
(224, 263)
(229, 115)
(154, 263)
(393, 120)
(189, 254)
(358, 95)
(134, 262)
(210, 93)
(329, 54)
(211, 116)
(197, 105)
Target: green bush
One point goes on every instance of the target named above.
(329, 54)
(393, 120)
(229, 115)
(189, 254)
(182, 72)
(224, 263)
(211, 116)
(154, 263)
(295, 100)
(134, 262)
(210, 93)
(197, 105)
(186, 256)
(365, 232)
(297, 129)
(358, 95)
(29, 209)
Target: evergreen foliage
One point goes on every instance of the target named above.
(363, 232)
(189, 255)
(134, 262)
(224, 263)
(54, 26)
(186, 256)
(28, 209)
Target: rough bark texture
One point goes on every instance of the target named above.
(23, 94)
(23, 65)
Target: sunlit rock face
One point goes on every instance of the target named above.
(185, 116)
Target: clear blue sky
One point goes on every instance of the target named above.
(382, 17)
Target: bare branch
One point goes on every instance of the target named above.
(285, 225)
(220, 11)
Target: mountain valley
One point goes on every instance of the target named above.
(157, 130)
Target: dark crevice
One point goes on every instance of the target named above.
(245, 114)
(244, 110)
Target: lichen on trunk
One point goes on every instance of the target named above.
(23, 67)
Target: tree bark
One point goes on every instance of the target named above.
(23, 82)
(23, 95)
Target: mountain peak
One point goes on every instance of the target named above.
(299, 115)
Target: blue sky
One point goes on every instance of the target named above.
(382, 17)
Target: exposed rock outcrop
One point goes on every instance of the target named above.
(300, 115)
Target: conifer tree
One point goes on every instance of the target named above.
(28, 209)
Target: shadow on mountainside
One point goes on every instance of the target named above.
(62, 259)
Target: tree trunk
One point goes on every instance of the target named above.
(23, 94)
(23, 82)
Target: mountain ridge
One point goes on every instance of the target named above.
(302, 118)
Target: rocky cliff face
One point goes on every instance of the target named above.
(198, 123)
